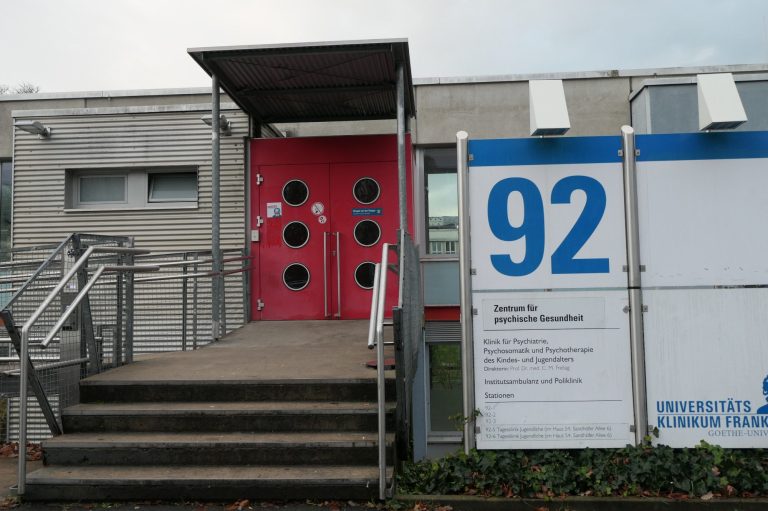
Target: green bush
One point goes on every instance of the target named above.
(645, 470)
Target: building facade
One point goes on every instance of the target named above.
(139, 163)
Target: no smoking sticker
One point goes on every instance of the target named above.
(317, 209)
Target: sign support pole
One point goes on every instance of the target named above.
(637, 340)
(467, 348)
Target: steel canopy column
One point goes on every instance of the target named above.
(401, 177)
(215, 207)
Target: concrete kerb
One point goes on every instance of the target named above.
(473, 503)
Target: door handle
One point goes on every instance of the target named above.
(338, 275)
(325, 273)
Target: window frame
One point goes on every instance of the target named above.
(422, 209)
(137, 189)
(80, 203)
(437, 435)
(150, 185)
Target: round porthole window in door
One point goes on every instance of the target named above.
(296, 277)
(367, 233)
(364, 274)
(295, 192)
(366, 190)
(295, 234)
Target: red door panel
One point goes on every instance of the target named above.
(293, 260)
(331, 277)
(366, 215)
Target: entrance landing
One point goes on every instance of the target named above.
(275, 410)
(264, 351)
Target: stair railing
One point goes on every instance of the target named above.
(27, 371)
(408, 321)
(377, 327)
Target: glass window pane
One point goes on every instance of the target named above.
(102, 188)
(6, 198)
(444, 387)
(442, 200)
(173, 186)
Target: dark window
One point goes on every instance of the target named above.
(296, 276)
(364, 275)
(366, 190)
(367, 233)
(295, 193)
(295, 234)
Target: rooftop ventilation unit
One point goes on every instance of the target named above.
(720, 106)
(549, 113)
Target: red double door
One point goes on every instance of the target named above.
(323, 208)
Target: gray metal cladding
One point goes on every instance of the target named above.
(119, 139)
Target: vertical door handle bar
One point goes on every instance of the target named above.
(325, 273)
(338, 274)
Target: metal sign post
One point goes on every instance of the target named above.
(467, 348)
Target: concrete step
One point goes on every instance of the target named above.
(317, 416)
(329, 448)
(104, 390)
(202, 482)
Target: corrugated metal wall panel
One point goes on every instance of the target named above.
(121, 141)
(37, 428)
(442, 331)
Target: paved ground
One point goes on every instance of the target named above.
(265, 350)
(8, 467)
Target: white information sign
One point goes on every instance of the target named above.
(551, 339)
(702, 208)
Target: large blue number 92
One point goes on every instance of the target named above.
(532, 226)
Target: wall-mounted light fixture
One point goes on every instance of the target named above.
(720, 106)
(225, 126)
(34, 127)
(549, 113)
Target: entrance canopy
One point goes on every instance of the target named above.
(306, 82)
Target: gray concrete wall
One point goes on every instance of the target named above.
(597, 106)
(673, 108)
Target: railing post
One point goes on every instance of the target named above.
(184, 306)
(223, 294)
(23, 375)
(194, 306)
(245, 278)
(381, 395)
(129, 306)
(117, 347)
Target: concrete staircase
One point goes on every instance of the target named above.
(218, 440)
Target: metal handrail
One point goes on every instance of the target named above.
(374, 307)
(376, 338)
(25, 329)
(39, 270)
(382, 291)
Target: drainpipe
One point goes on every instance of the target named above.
(215, 207)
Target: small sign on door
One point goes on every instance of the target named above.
(274, 209)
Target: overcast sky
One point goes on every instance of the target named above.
(75, 45)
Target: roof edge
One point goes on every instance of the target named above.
(279, 46)
(122, 93)
(114, 110)
(610, 73)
